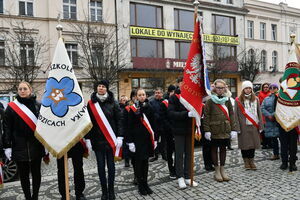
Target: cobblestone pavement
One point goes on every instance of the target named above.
(268, 182)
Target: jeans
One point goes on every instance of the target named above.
(106, 156)
(25, 168)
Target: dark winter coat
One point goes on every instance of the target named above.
(112, 112)
(19, 136)
(1, 128)
(156, 106)
(216, 122)
(138, 134)
(181, 123)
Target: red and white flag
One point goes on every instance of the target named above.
(195, 78)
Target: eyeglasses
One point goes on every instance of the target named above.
(220, 88)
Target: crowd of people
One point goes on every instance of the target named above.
(146, 127)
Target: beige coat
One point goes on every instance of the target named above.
(248, 138)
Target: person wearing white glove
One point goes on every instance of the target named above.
(8, 153)
(207, 135)
(27, 150)
(218, 122)
(89, 145)
(233, 134)
(191, 114)
(103, 99)
(140, 140)
(131, 147)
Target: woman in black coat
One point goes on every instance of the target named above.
(102, 148)
(20, 143)
(141, 140)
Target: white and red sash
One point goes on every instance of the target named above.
(166, 102)
(1, 175)
(105, 127)
(27, 115)
(247, 114)
(224, 110)
(146, 123)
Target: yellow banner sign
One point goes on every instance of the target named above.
(180, 35)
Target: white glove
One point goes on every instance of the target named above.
(8, 153)
(46, 151)
(191, 114)
(207, 135)
(233, 134)
(155, 144)
(88, 144)
(131, 147)
(119, 142)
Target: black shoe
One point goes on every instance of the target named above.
(127, 163)
(104, 197)
(173, 175)
(153, 159)
(293, 167)
(148, 189)
(284, 166)
(81, 197)
(142, 190)
(111, 192)
(209, 168)
(135, 181)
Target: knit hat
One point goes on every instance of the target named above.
(246, 84)
(104, 82)
(171, 88)
(274, 85)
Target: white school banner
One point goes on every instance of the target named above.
(63, 118)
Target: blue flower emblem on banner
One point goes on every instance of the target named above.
(59, 96)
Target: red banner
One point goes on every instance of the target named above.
(195, 79)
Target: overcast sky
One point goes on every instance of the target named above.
(291, 3)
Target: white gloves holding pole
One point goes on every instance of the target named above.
(8, 153)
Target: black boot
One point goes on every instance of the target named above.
(135, 181)
(284, 166)
(147, 188)
(127, 162)
(154, 158)
(104, 192)
(293, 166)
(142, 189)
(111, 192)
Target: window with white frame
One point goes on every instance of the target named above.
(2, 53)
(263, 58)
(274, 32)
(70, 9)
(250, 25)
(262, 31)
(251, 55)
(1, 7)
(97, 55)
(96, 11)
(274, 60)
(26, 7)
(72, 50)
(27, 53)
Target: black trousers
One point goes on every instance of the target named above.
(25, 168)
(78, 175)
(288, 145)
(106, 156)
(141, 169)
(170, 151)
(182, 156)
(248, 153)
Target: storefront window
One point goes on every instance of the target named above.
(149, 84)
(145, 15)
(146, 48)
(232, 86)
(223, 25)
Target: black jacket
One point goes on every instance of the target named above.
(138, 134)
(181, 123)
(155, 104)
(111, 110)
(1, 128)
(19, 136)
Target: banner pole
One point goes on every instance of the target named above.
(196, 4)
(66, 176)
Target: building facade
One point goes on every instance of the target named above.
(160, 34)
(268, 28)
(39, 19)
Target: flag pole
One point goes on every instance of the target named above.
(59, 29)
(196, 4)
